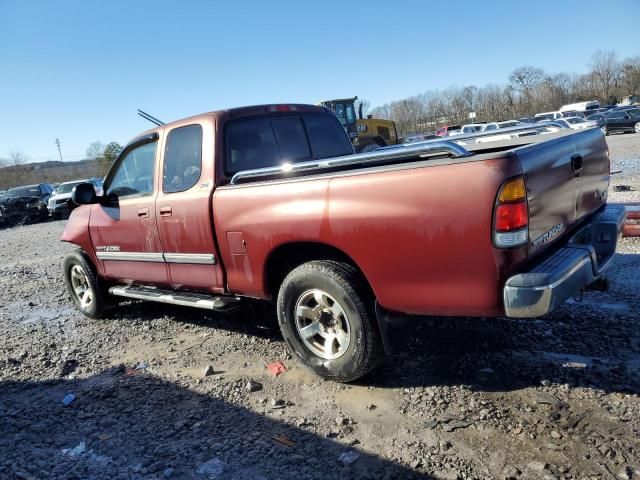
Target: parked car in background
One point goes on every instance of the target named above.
(3, 193)
(554, 125)
(578, 123)
(25, 204)
(472, 127)
(60, 202)
(527, 120)
(540, 117)
(598, 118)
(445, 129)
(574, 113)
(418, 137)
(499, 125)
(627, 120)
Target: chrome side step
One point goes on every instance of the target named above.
(186, 299)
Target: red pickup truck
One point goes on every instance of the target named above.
(270, 202)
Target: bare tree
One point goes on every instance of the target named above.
(525, 80)
(631, 76)
(17, 158)
(95, 150)
(606, 70)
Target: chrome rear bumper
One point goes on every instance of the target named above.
(578, 264)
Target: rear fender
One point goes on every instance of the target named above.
(76, 231)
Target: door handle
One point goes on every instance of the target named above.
(576, 162)
(166, 211)
(143, 213)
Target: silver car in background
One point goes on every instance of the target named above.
(59, 203)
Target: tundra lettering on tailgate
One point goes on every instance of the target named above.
(548, 236)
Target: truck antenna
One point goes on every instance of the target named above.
(152, 119)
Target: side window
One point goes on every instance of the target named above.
(182, 159)
(134, 174)
(292, 141)
(384, 133)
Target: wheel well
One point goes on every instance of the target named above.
(289, 256)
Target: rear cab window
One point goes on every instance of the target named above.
(270, 141)
(182, 159)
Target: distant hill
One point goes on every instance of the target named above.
(51, 171)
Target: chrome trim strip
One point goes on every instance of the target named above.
(189, 258)
(195, 258)
(131, 256)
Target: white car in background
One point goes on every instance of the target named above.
(540, 117)
(488, 127)
(579, 123)
(472, 127)
(59, 202)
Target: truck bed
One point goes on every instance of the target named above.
(419, 229)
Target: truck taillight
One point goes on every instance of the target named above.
(511, 215)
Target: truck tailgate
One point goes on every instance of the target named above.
(567, 179)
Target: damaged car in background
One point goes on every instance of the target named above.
(26, 204)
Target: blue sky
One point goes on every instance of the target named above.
(77, 70)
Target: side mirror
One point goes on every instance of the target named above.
(84, 194)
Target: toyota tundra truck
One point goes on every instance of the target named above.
(271, 203)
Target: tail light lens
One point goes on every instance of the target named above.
(511, 215)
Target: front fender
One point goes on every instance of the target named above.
(76, 231)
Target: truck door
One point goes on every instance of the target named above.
(183, 208)
(123, 226)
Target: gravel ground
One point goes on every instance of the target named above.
(552, 398)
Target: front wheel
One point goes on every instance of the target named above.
(84, 285)
(636, 127)
(325, 312)
(604, 130)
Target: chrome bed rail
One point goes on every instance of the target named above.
(395, 152)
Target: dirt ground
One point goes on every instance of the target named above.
(551, 398)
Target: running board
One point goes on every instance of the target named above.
(186, 299)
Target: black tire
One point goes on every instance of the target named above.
(346, 285)
(100, 298)
(370, 148)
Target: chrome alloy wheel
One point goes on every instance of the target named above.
(322, 324)
(81, 287)
(636, 127)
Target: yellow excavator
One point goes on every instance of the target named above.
(366, 134)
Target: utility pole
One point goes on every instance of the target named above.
(59, 150)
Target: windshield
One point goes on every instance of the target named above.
(345, 113)
(546, 116)
(67, 187)
(24, 192)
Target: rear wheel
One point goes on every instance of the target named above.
(84, 285)
(604, 130)
(325, 314)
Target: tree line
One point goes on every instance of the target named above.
(529, 90)
(15, 170)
